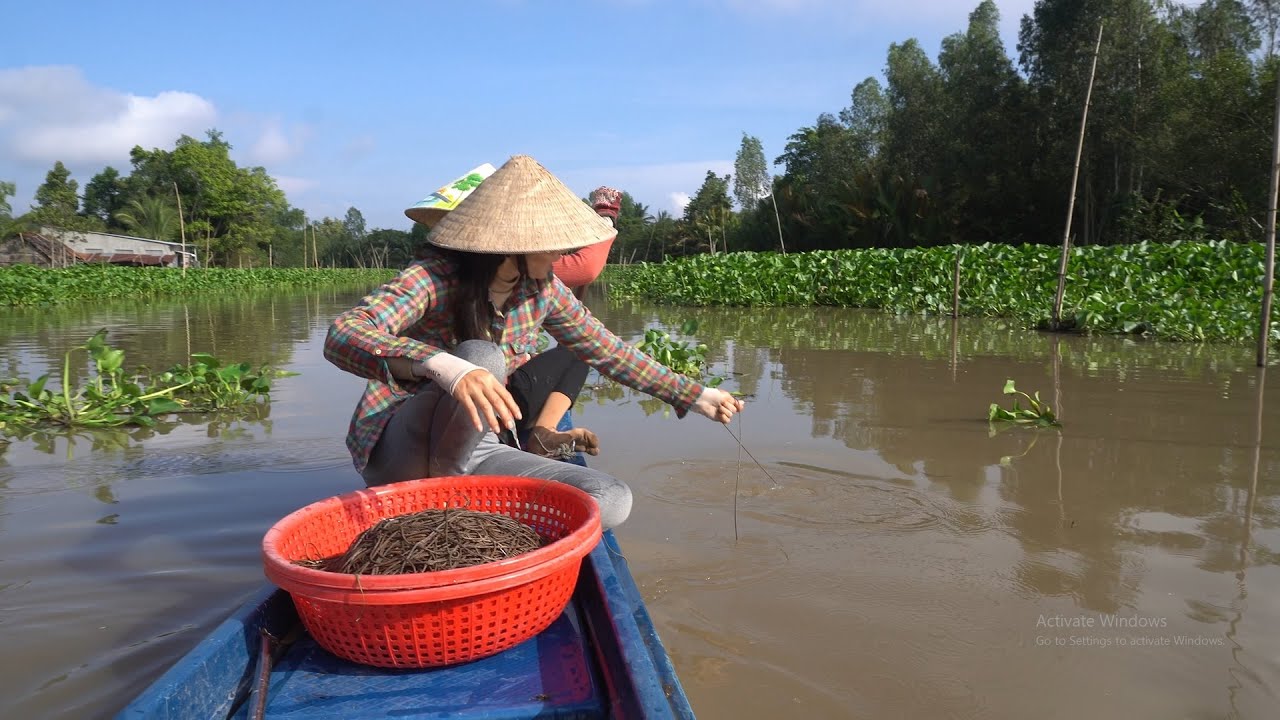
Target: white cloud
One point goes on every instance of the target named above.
(54, 113)
(292, 185)
(679, 200)
(275, 146)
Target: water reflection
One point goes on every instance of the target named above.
(1154, 454)
(257, 327)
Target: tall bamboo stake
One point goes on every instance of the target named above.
(1269, 273)
(315, 254)
(182, 227)
(778, 220)
(1071, 203)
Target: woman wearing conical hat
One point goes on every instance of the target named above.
(548, 384)
(437, 343)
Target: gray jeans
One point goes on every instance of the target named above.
(431, 435)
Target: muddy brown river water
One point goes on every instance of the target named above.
(900, 558)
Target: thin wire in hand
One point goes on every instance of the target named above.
(744, 447)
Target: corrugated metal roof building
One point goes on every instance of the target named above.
(56, 247)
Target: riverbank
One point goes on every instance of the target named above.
(26, 285)
(1210, 291)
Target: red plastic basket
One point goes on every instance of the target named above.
(438, 618)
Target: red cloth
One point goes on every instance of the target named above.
(583, 266)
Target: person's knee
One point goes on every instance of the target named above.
(485, 354)
(615, 505)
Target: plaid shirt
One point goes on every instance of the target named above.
(412, 317)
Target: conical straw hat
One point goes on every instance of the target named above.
(433, 207)
(521, 208)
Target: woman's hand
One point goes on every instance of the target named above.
(545, 442)
(717, 405)
(585, 441)
(487, 400)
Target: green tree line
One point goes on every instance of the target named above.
(969, 147)
(232, 216)
(972, 148)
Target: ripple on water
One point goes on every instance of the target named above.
(804, 496)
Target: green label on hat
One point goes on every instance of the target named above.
(448, 197)
(469, 182)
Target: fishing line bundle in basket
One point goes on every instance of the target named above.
(412, 618)
(431, 541)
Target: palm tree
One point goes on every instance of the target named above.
(662, 227)
(640, 212)
(151, 217)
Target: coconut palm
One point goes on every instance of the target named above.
(151, 217)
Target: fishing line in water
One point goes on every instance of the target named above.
(738, 475)
(743, 448)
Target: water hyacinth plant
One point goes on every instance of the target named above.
(112, 397)
(1186, 291)
(683, 356)
(27, 285)
(1037, 412)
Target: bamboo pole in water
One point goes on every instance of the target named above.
(1246, 537)
(1071, 202)
(1057, 377)
(1269, 273)
(955, 346)
(1257, 461)
(955, 285)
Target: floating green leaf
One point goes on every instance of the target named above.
(1037, 412)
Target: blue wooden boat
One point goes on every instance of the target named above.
(600, 659)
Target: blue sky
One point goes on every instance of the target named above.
(375, 104)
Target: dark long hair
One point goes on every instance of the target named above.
(473, 314)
